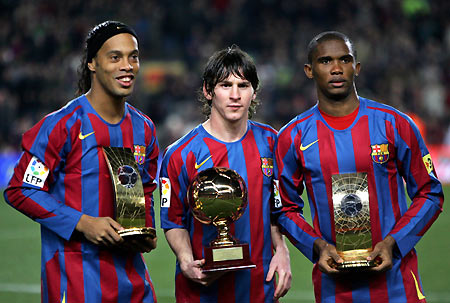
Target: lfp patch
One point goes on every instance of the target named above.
(36, 173)
(165, 192)
(139, 154)
(267, 166)
(276, 194)
(380, 153)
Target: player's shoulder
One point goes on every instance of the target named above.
(138, 114)
(184, 142)
(300, 120)
(262, 127)
(381, 109)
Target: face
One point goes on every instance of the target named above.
(231, 100)
(333, 68)
(116, 66)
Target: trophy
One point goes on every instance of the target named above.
(352, 220)
(128, 193)
(218, 196)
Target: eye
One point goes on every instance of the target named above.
(135, 58)
(244, 85)
(114, 58)
(324, 61)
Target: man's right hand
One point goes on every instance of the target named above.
(100, 230)
(328, 257)
(193, 270)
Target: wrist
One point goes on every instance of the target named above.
(319, 245)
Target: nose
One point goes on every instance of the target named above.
(126, 65)
(336, 68)
(235, 93)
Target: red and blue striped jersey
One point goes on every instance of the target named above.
(386, 145)
(249, 156)
(63, 174)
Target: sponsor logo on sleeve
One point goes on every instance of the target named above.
(428, 163)
(165, 192)
(36, 173)
(276, 193)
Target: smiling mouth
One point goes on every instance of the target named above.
(125, 81)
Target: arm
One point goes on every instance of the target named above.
(280, 264)
(180, 243)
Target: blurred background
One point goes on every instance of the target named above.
(403, 46)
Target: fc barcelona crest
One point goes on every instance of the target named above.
(267, 166)
(380, 153)
(139, 153)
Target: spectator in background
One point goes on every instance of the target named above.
(63, 183)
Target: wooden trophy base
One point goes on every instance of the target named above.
(227, 258)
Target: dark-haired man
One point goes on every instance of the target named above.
(62, 180)
(226, 139)
(346, 136)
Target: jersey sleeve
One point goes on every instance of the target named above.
(288, 188)
(173, 187)
(424, 189)
(29, 190)
(150, 170)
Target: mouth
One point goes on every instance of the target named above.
(337, 83)
(235, 106)
(125, 80)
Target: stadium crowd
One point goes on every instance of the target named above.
(403, 45)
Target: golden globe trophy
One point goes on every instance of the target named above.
(352, 220)
(218, 196)
(128, 193)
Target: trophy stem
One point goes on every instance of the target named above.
(224, 237)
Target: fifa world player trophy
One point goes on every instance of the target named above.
(128, 193)
(352, 220)
(218, 196)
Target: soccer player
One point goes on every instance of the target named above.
(343, 134)
(62, 180)
(226, 139)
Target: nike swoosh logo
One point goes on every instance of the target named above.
(197, 166)
(82, 137)
(303, 148)
(419, 293)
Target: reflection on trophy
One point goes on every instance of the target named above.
(218, 196)
(352, 220)
(128, 193)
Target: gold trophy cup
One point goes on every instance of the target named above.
(218, 196)
(352, 220)
(128, 193)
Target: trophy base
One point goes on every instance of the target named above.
(137, 233)
(355, 259)
(227, 258)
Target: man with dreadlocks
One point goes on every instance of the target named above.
(62, 180)
(226, 139)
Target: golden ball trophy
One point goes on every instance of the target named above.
(218, 196)
(128, 194)
(352, 221)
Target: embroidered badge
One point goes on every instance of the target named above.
(165, 192)
(36, 173)
(139, 154)
(267, 166)
(380, 153)
(428, 163)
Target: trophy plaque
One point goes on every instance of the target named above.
(218, 196)
(128, 193)
(352, 220)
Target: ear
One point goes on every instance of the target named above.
(206, 94)
(357, 68)
(307, 68)
(91, 65)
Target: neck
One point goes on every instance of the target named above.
(110, 109)
(225, 131)
(341, 107)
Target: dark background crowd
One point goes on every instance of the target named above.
(403, 46)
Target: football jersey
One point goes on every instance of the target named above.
(252, 158)
(63, 174)
(385, 146)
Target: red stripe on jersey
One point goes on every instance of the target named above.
(175, 214)
(329, 166)
(53, 279)
(72, 179)
(56, 138)
(106, 206)
(392, 171)
(127, 132)
(343, 291)
(109, 283)
(317, 282)
(136, 281)
(255, 187)
(408, 267)
(147, 278)
(73, 260)
(186, 291)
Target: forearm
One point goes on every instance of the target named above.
(180, 243)
(278, 241)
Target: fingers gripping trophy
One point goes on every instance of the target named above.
(218, 196)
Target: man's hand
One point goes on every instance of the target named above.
(382, 252)
(328, 257)
(280, 264)
(193, 270)
(100, 230)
